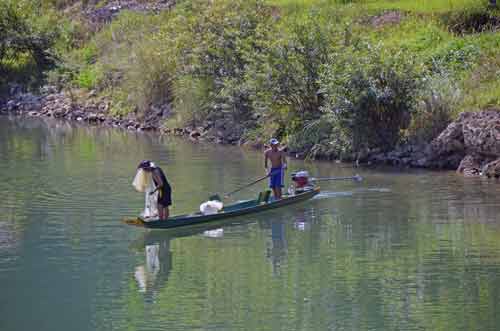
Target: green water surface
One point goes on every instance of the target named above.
(403, 250)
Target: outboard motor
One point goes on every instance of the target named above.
(301, 182)
(301, 179)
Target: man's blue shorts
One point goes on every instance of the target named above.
(276, 179)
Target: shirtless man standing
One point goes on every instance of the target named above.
(278, 166)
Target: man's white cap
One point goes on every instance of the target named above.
(274, 141)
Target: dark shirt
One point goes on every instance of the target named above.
(160, 179)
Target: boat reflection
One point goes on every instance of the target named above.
(153, 274)
(155, 245)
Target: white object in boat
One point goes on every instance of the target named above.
(211, 207)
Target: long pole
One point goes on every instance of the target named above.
(247, 185)
(356, 178)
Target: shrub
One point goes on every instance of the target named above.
(472, 20)
(89, 77)
(438, 101)
(19, 40)
(285, 78)
(369, 96)
(455, 56)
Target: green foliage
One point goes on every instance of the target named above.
(370, 96)
(21, 42)
(438, 99)
(227, 37)
(287, 77)
(476, 19)
(191, 101)
(128, 61)
(33, 36)
(88, 78)
(457, 55)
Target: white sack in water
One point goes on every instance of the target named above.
(141, 181)
(211, 207)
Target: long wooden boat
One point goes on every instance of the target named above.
(232, 210)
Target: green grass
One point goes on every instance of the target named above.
(422, 6)
(416, 6)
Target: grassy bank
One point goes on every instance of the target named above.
(331, 78)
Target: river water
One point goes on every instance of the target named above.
(402, 250)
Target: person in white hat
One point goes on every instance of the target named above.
(278, 166)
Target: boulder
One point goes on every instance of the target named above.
(492, 169)
(481, 132)
(469, 166)
(476, 134)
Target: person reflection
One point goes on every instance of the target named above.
(278, 246)
(153, 275)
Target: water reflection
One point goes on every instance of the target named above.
(153, 274)
(404, 250)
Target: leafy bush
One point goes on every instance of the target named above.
(21, 42)
(371, 97)
(438, 101)
(455, 56)
(285, 79)
(476, 19)
(89, 77)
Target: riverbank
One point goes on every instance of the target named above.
(367, 82)
(470, 145)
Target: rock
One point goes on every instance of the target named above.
(481, 132)
(469, 166)
(11, 105)
(390, 17)
(476, 134)
(92, 117)
(194, 134)
(492, 169)
(98, 17)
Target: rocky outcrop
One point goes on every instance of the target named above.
(469, 166)
(91, 109)
(492, 169)
(387, 18)
(469, 145)
(87, 109)
(98, 16)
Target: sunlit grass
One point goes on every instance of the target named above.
(417, 6)
(423, 6)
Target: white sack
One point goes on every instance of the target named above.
(211, 207)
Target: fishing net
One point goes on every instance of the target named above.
(151, 202)
(143, 182)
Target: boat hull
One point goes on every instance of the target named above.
(230, 211)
